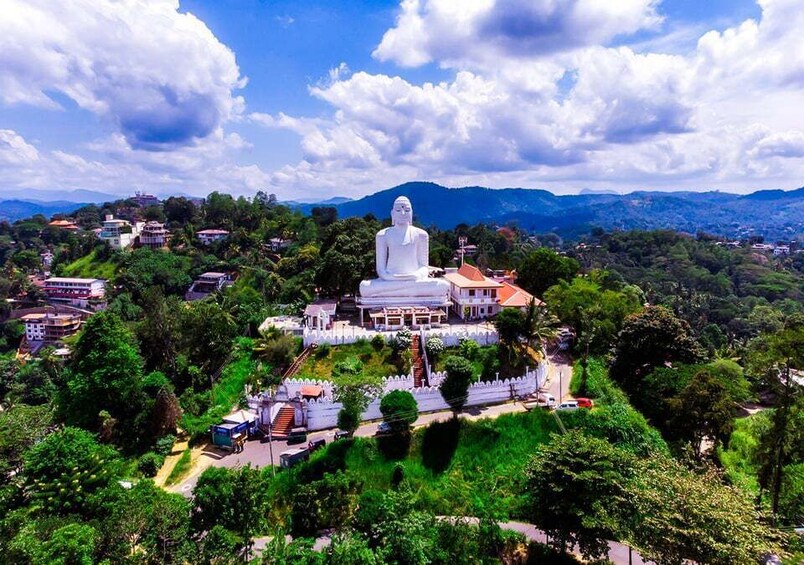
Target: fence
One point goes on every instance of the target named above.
(483, 335)
(323, 413)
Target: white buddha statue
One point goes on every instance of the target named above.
(403, 251)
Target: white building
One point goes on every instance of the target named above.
(75, 291)
(781, 250)
(154, 235)
(473, 295)
(118, 233)
(206, 284)
(207, 237)
(49, 327)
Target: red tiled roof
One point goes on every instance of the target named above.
(471, 272)
(511, 295)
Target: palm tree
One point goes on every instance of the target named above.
(540, 324)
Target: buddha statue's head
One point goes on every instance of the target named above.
(402, 212)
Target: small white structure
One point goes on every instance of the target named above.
(320, 314)
(154, 235)
(781, 250)
(143, 199)
(208, 237)
(278, 244)
(118, 233)
(75, 291)
(291, 325)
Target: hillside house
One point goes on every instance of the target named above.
(119, 233)
(206, 284)
(208, 237)
(154, 235)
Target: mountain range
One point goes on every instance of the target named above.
(774, 214)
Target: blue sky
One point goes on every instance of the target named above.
(315, 99)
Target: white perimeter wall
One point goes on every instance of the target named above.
(351, 334)
(323, 413)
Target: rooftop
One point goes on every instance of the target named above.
(56, 280)
(469, 276)
(513, 296)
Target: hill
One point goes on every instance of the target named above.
(774, 214)
(12, 210)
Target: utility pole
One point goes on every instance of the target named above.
(461, 244)
(270, 434)
(560, 386)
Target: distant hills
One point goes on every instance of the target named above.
(775, 214)
(12, 210)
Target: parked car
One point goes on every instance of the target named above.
(384, 428)
(316, 444)
(584, 402)
(291, 457)
(342, 434)
(568, 405)
(297, 435)
(547, 400)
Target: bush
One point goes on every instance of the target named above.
(434, 346)
(164, 445)
(322, 351)
(378, 342)
(404, 338)
(468, 347)
(150, 463)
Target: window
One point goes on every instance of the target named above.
(471, 292)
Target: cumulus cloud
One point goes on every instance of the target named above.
(161, 76)
(14, 150)
(456, 32)
(541, 97)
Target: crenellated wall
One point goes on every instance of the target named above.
(323, 413)
(483, 335)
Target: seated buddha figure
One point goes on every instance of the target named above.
(403, 252)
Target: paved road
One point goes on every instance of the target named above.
(618, 553)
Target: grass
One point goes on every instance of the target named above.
(598, 384)
(376, 364)
(738, 458)
(88, 266)
(181, 468)
(467, 468)
(226, 392)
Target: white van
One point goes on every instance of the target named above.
(568, 405)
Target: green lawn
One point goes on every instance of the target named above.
(376, 364)
(88, 266)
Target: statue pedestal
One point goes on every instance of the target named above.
(401, 301)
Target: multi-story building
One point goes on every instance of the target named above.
(154, 235)
(473, 294)
(49, 327)
(119, 233)
(75, 292)
(144, 200)
(206, 284)
(208, 237)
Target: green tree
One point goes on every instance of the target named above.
(231, 498)
(105, 374)
(575, 489)
(703, 410)
(354, 391)
(64, 470)
(21, 427)
(650, 339)
(207, 334)
(595, 307)
(73, 544)
(455, 386)
(399, 409)
(510, 325)
(544, 268)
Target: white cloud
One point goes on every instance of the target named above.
(454, 33)
(161, 76)
(725, 114)
(14, 150)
